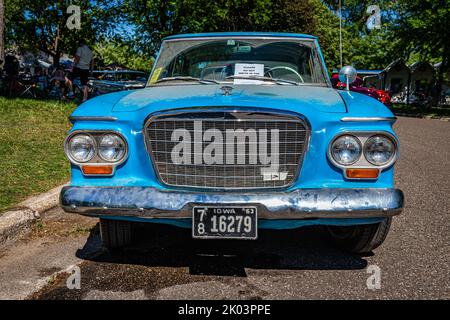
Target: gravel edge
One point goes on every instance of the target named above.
(17, 220)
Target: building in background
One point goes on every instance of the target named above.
(413, 83)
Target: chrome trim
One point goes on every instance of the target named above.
(125, 146)
(362, 162)
(149, 202)
(69, 155)
(82, 118)
(211, 109)
(394, 142)
(358, 141)
(96, 160)
(239, 37)
(368, 119)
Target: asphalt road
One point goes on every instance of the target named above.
(294, 264)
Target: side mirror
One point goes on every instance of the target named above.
(347, 75)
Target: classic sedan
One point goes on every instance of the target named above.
(107, 81)
(234, 133)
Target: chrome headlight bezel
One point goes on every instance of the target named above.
(331, 153)
(393, 156)
(96, 136)
(68, 150)
(101, 154)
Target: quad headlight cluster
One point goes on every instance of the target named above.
(363, 150)
(96, 148)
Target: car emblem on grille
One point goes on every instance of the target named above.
(226, 90)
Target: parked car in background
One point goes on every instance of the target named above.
(236, 132)
(357, 86)
(106, 81)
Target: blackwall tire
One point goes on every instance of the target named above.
(115, 234)
(361, 238)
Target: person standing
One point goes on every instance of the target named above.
(83, 64)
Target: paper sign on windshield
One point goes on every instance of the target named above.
(248, 70)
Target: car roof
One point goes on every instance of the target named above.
(240, 34)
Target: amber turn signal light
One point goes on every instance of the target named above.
(362, 173)
(107, 170)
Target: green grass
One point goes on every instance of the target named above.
(421, 110)
(32, 156)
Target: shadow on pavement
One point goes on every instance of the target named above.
(159, 245)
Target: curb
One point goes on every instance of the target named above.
(16, 220)
(422, 116)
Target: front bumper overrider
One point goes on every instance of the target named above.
(149, 202)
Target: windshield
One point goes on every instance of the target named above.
(239, 61)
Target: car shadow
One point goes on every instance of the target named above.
(159, 245)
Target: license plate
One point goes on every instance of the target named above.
(224, 222)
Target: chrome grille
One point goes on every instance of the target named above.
(240, 169)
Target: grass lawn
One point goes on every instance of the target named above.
(32, 156)
(422, 111)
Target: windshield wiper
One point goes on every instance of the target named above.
(274, 80)
(187, 78)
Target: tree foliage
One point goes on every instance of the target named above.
(158, 19)
(41, 25)
(410, 28)
(116, 51)
(423, 29)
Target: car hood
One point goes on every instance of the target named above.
(287, 97)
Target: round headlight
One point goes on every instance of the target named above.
(81, 147)
(379, 150)
(111, 147)
(346, 150)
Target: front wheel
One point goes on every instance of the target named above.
(361, 238)
(115, 234)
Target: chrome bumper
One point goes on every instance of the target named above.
(151, 203)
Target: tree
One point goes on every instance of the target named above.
(41, 25)
(2, 28)
(327, 29)
(363, 48)
(157, 19)
(292, 16)
(309, 17)
(423, 30)
(117, 51)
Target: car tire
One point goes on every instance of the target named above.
(115, 234)
(361, 238)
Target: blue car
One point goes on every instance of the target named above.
(233, 133)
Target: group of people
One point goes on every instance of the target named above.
(83, 63)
